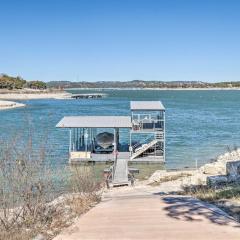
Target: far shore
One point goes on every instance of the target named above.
(165, 89)
(27, 94)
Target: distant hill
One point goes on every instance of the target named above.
(11, 83)
(142, 84)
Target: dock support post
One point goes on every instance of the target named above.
(78, 147)
(70, 145)
(81, 137)
(114, 152)
(130, 143)
(164, 136)
(74, 139)
(86, 136)
(115, 144)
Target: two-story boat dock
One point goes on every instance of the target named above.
(139, 138)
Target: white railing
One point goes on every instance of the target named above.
(143, 124)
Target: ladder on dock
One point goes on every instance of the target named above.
(120, 172)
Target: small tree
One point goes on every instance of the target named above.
(37, 85)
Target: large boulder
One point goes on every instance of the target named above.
(217, 180)
(233, 170)
(157, 175)
(196, 179)
(229, 156)
(216, 168)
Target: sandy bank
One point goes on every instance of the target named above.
(25, 96)
(9, 105)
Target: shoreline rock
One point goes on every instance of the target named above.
(225, 169)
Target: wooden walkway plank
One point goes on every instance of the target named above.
(121, 172)
(139, 215)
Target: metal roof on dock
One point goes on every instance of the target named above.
(95, 122)
(146, 105)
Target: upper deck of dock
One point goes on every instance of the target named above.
(146, 106)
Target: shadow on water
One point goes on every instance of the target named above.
(189, 209)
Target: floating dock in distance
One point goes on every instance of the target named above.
(88, 95)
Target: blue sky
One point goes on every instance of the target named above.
(103, 40)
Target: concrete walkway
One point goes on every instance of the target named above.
(145, 213)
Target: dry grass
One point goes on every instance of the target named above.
(84, 180)
(27, 192)
(61, 213)
(16, 235)
(25, 184)
(211, 195)
(66, 210)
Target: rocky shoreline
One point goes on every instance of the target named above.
(226, 168)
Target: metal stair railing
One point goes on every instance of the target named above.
(144, 141)
(144, 148)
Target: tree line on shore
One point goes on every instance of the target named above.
(142, 84)
(10, 83)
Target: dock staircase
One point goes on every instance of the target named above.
(145, 147)
(120, 172)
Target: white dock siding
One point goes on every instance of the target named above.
(95, 122)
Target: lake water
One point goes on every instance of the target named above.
(199, 124)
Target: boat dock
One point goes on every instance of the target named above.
(122, 140)
(88, 95)
(145, 129)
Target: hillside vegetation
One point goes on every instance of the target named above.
(10, 83)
